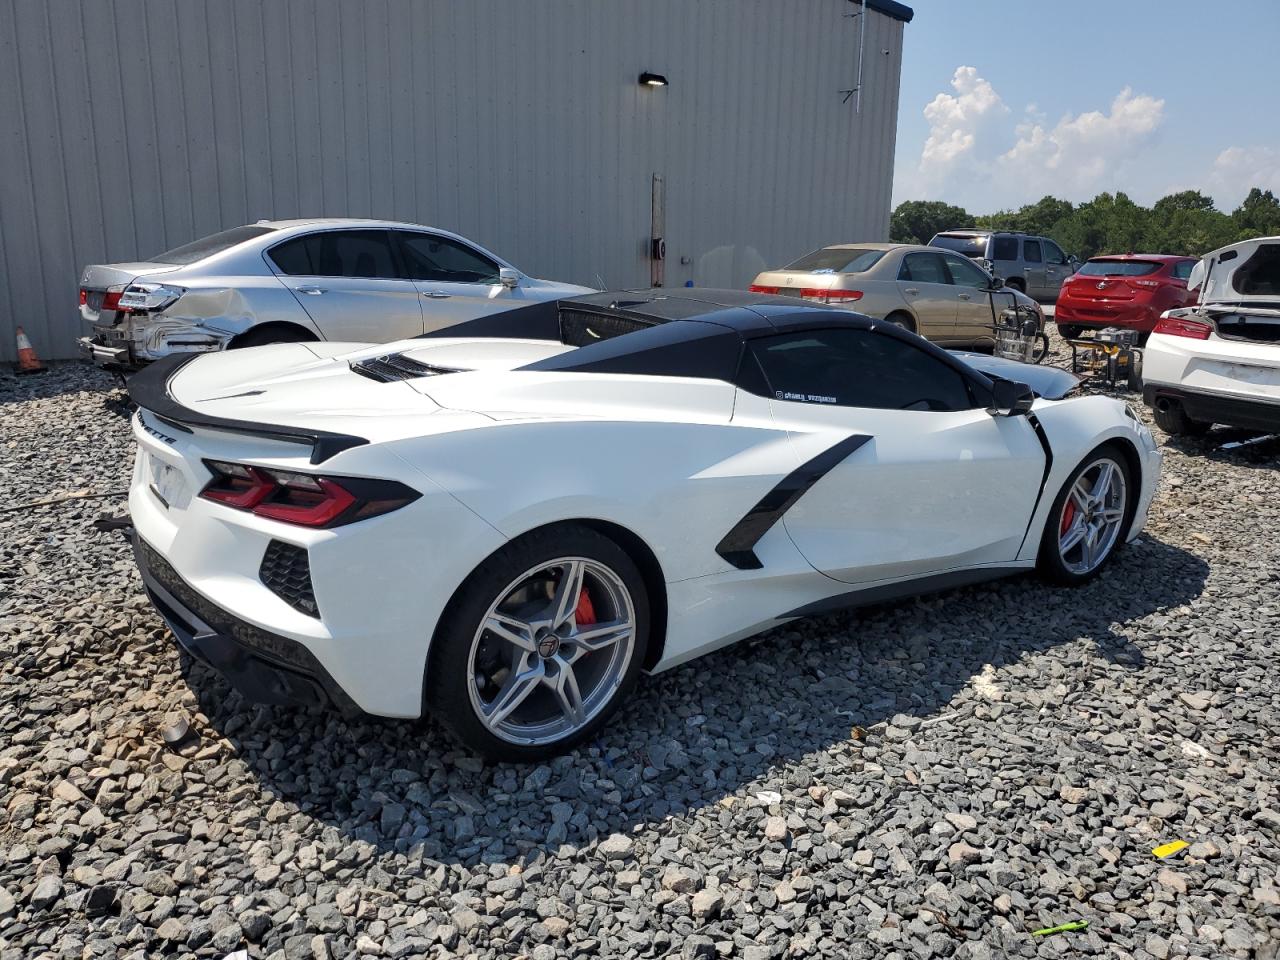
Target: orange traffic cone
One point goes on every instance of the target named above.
(28, 362)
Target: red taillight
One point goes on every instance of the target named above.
(303, 498)
(831, 296)
(758, 288)
(1178, 327)
(84, 296)
(111, 300)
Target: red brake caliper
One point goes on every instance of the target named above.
(586, 612)
(1068, 514)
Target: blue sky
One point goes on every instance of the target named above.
(1004, 101)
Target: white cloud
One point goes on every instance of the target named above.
(1237, 169)
(1079, 155)
(958, 123)
(974, 156)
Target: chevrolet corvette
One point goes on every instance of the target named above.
(505, 522)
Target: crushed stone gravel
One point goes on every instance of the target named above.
(933, 778)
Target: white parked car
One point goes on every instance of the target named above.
(286, 281)
(1219, 361)
(506, 531)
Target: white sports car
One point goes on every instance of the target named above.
(1219, 361)
(506, 524)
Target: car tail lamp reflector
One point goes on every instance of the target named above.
(84, 296)
(831, 296)
(303, 499)
(1178, 327)
(758, 288)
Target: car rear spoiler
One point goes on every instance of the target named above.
(149, 389)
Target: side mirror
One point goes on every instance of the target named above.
(1010, 399)
(997, 283)
(508, 277)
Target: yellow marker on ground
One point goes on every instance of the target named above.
(1169, 849)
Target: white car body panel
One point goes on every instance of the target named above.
(676, 462)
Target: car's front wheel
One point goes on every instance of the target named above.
(1088, 518)
(540, 645)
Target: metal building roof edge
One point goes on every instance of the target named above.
(890, 8)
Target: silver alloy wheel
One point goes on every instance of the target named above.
(1092, 516)
(551, 651)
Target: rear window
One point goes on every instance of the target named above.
(581, 328)
(1121, 268)
(836, 260)
(1259, 276)
(1182, 269)
(974, 247)
(208, 246)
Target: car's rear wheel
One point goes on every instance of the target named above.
(1088, 518)
(903, 320)
(1173, 420)
(1068, 331)
(1016, 284)
(540, 645)
(271, 333)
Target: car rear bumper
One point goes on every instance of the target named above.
(265, 667)
(1141, 317)
(1216, 408)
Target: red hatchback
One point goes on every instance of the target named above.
(1129, 291)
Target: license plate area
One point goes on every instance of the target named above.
(168, 485)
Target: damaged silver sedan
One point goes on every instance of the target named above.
(285, 281)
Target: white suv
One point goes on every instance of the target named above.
(1219, 362)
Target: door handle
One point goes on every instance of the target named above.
(965, 296)
(1026, 269)
(911, 290)
(435, 294)
(313, 291)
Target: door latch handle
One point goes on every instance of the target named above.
(313, 291)
(965, 296)
(1026, 269)
(435, 294)
(912, 290)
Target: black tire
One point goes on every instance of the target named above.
(903, 320)
(1016, 284)
(1068, 331)
(271, 333)
(1041, 349)
(1049, 562)
(1174, 421)
(447, 688)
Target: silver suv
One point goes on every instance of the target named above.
(1035, 265)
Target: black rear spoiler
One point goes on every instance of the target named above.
(149, 389)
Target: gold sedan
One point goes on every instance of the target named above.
(940, 295)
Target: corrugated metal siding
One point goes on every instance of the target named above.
(132, 126)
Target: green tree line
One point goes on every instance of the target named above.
(1185, 223)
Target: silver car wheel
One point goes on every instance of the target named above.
(1092, 516)
(551, 651)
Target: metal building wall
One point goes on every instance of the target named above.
(132, 126)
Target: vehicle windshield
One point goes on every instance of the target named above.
(1118, 268)
(837, 260)
(208, 246)
(972, 247)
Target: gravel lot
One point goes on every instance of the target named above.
(931, 778)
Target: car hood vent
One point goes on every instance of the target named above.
(396, 366)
